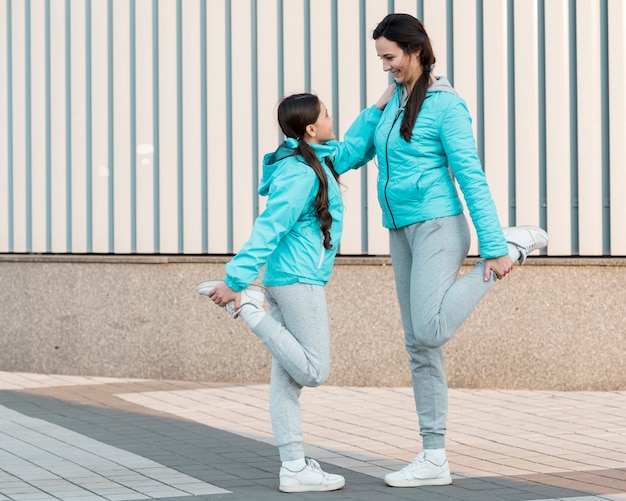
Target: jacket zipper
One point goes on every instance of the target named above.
(393, 219)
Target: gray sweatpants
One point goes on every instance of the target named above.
(296, 333)
(426, 260)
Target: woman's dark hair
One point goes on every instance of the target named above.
(295, 112)
(409, 33)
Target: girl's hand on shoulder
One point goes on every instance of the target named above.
(499, 265)
(386, 96)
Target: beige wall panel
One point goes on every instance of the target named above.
(216, 123)
(79, 138)
(526, 113)
(617, 124)
(122, 153)
(99, 122)
(168, 128)
(377, 81)
(589, 128)
(4, 136)
(243, 189)
(321, 58)
(19, 128)
(435, 12)
(557, 124)
(267, 48)
(192, 135)
(293, 39)
(404, 7)
(349, 108)
(145, 129)
(465, 75)
(38, 125)
(496, 105)
(58, 106)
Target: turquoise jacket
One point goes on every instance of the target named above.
(286, 237)
(415, 182)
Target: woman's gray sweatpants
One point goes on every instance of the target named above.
(296, 333)
(426, 260)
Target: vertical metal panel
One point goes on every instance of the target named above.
(5, 128)
(557, 127)
(78, 126)
(168, 132)
(68, 128)
(39, 177)
(526, 47)
(495, 74)
(122, 155)
(20, 95)
(203, 128)
(191, 139)
(465, 66)
(349, 106)
(254, 95)
(589, 114)
(377, 80)
(268, 81)
(241, 125)
(147, 148)
(101, 165)
(617, 123)
(217, 201)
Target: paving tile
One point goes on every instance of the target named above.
(193, 440)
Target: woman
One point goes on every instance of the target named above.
(424, 136)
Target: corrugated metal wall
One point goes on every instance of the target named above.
(137, 126)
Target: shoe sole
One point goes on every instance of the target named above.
(204, 288)
(312, 488)
(419, 482)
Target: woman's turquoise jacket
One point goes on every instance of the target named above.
(286, 236)
(416, 178)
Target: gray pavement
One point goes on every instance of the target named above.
(89, 438)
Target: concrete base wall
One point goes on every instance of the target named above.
(551, 324)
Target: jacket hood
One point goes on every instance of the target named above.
(271, 161)
(441, 84)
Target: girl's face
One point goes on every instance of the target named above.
(405, 68)
(322, 130)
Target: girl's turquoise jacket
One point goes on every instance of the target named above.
(286, 236)
(415, 179)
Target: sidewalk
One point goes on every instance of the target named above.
(87, 438)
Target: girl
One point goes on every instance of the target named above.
(296, 238)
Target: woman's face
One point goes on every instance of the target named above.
(405, 68)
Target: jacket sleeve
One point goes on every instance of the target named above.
(458, 142)
(357, 147)
(290, 194)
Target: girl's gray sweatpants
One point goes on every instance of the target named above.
(297, 334)
(426, 260)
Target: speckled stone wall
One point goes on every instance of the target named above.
(551, 324)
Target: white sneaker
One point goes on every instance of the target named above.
(311, 478)
(526, 239)
(420, 472)
(253, 295)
